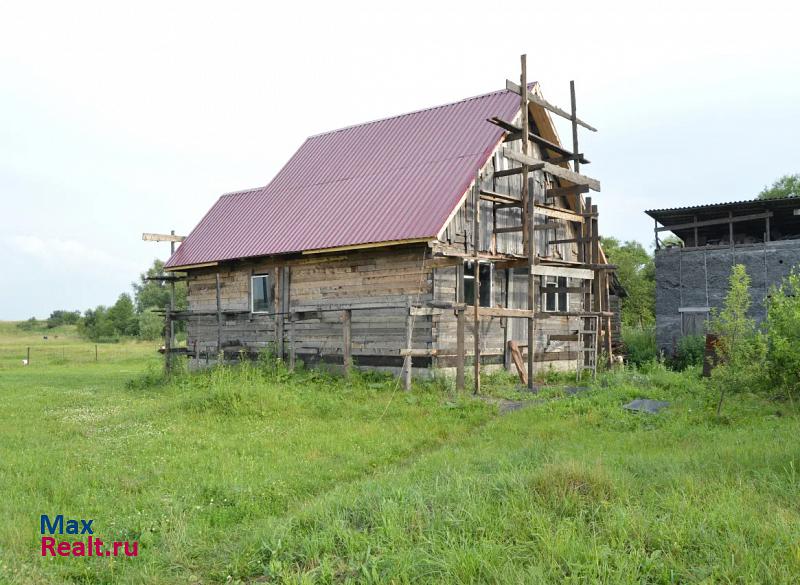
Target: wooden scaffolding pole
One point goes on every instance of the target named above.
(528, 218)
(460, 350)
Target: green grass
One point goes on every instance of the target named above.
(239, 475)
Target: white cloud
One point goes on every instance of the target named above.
(65, 255)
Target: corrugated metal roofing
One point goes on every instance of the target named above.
(723, 205)
(384, 181)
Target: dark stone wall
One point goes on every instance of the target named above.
(698, 277)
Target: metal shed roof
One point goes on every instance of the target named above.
(392, 180)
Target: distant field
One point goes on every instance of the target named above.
(257, 475)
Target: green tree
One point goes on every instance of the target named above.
(783, 335)
(740, 346)
(151, 324)
(786, 186)
(60, 317)
(123, 316)
(155, 293)
(96, 325)
(637, 273)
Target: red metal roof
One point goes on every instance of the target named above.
(384, 181)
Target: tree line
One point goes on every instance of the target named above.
(136, 315)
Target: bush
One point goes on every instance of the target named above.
(58, 318)
(690, 352)
(151, 325)
(783, 336)
(640, 344)
(31, 324)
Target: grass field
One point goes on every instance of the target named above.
(257, 475)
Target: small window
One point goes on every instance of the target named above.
(485, 285)
(261, 295)
(556, 302)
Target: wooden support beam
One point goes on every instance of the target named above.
(553, 289)
(564, 337)
(419, 352)
(543, 103)
(554, 170)
(476, 337)
(292, 352)
(548, 225)
(499, 197)
(567, 241)
(460, 349)
(720, 221)
(219, 315)
(407, 359)
(515, 133)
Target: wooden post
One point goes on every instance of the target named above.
(283, 309)
(219, 316)
(655, 230)
(292, 355)
(29, 356)
(95, 353)
(347, 334)
(767, 235)
(730, 227)
(168, 342)
(575, 163)
(460, 348)
(696, 238)
(172, 294)
(407, 359)
(476, 322)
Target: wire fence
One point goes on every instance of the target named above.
(51, 355)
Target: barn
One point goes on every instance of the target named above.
(692, 278)
(423, 241)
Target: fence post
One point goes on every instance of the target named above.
(95, 353)
(29, 356)
(347, 319)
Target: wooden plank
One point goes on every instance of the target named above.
(567, 271)
(722, 220)
(567, 241)
(407, 358)
(147, 237)
(566, 191)
(548, 225)
(499, 312)
(559, 213)
(554, 170)
(564, 337)
(506, 230)
(418, 352)
(543, 103)
(476, 337)
(516, 357)
(292, 351)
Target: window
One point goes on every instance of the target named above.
(556, 301)
(261, 295)
(486, 284)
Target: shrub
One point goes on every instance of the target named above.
(690, 352)
(151, 325)
(783, 336)
(740, 346)
(640, 344)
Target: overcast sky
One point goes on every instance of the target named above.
(118, 118)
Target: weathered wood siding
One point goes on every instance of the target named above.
(320, 287)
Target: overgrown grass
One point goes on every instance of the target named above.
(239, 474)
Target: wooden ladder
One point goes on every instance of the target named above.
(588, 336)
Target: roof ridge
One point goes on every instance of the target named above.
(413, 112)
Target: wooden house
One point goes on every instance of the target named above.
(367, 247)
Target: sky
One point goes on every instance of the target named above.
(123, 118)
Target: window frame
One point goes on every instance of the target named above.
(556, 296)
(270, 301)
(472, 277)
